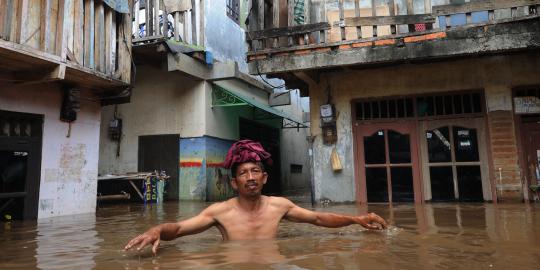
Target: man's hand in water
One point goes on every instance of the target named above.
(372, 221)
(150, 237)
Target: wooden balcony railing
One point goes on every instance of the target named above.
(318, 23)
(82, 34)
(180, 20)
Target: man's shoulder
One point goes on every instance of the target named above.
(280, 201)
(220, 207)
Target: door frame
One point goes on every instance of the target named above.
(406, 127)
(477, 123)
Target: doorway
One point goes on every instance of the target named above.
(269, 138)
(20, 164)
(530, 132)
(387, 159)
(161, 153)
(455, 166)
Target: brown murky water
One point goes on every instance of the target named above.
(431, 236)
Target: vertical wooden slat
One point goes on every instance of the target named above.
(189, 27)
(147, 18)
(125, 60)
(427, 10)
(392, 12)
(99, 41)
(194, 18)
(201, 16)
(155, 6)
(374, 13)
(307, 15)
(3, 15)
(114, 43)
(45, 25)
(410, 11)
(185, 29)
(275, 20)
(69, 20)
(108, 38)
(260, 20)
(89, 34)
(164, 18)
(357, 14)
(78, 31)
(322, 34)
(341, 18)
(21, 21)
(12, 20)
(137, 23)
(177, 26)
(62, 28)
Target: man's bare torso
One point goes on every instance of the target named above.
(236, 223)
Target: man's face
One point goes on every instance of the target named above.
(249, 179)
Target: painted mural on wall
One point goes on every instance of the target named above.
(201, 175)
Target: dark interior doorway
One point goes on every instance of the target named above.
(269, 138)
(161, 153)
(20, 164)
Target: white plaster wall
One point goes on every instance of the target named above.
(495, 74)
(69, 166)
(162, 103)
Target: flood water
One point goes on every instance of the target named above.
(430, 236)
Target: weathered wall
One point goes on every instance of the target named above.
(491, 73)
(201, 175)
(162, 103)
(223, 37)
(69, 166)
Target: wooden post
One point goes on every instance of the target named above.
(307, 15)
(341, 18)
(99, 40)
(63, 24)
(108, 38)
(165, 20)
(147, 18)
(392, 12)
(177, 25)
(12, 20)
(78, 31)
(136, 10)
(156, 16)
(3, 16)
(261, 20)
(427, 10)
(322, 33)
(410, 11)
(89, 34)
(373, 14)
(124, 47)
(357, 14)
(275, 20)
(21, 21)
(185, 26)
(45, 26)
(194, 17)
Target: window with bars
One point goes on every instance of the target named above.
(420, 106)
(233, 10)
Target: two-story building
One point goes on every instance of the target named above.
(423, 100)
(192, 98)
(60, 61)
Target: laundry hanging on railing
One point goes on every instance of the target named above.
(298, 11)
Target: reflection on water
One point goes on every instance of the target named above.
(458, 236)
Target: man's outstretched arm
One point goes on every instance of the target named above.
(331, 220)
(171, 231)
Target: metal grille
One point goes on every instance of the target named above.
(20, 125)
(451, 104)
(233, 10)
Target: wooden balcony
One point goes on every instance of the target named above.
(183, 19)
(84, 43)
(326, 34)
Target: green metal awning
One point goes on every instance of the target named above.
(222, 97)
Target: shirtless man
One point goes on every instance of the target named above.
(250, 215)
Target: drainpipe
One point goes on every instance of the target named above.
(311, 169)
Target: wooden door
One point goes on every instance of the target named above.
(454, 160)
(387, 163)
